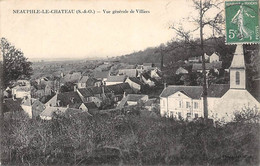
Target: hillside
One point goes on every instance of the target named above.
(175, 51)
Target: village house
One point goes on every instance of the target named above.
(33, 107)
(150, 104)
(102, 76)
(223, 100)
(119, 90)
(216, 66)
(82, 83)
(21, 91)
(134, 83)
(90, 107)
(147, 79)
(181, 70)
(65, 99)
(50, 112)
(148, 66)
(214, 58)
(179, 101)
(155, 73)
(94, 94)
(128, 72)
(74, 77)
(194, 59)
(112, 80)
(132, 99)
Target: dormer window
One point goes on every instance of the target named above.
(237, 78)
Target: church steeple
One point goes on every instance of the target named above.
(238, 69)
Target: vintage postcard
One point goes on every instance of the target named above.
(129, 82)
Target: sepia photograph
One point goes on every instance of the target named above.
(129, 82)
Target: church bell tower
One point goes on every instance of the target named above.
(238, 69)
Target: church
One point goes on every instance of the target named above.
(237, 97)
(223, 100)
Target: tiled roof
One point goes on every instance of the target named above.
(130, 97)
(208, 66)
(238, 58)
(120, 88)
(217, 90)
(83, 79)
(135, 97)
(120, 78)
(194, 92)
(148, 64)
(68, 98)
(48, 112)
(103, 74)
(135, 80)
(128, 72)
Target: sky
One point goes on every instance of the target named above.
(57, 35)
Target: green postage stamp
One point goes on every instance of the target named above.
(242, 21)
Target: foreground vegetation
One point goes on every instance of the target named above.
(127, 139)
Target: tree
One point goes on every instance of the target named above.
(202, 7)
(15, 64)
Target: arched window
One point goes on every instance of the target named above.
(237, 78)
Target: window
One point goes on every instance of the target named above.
(196, 105)
(188, 115)
(237, 78)
(187, 104)
(196, 115)
(180, 104)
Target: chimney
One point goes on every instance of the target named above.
(103, 89)
(75, 88)
(165, 85)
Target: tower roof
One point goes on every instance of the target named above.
(238, 61)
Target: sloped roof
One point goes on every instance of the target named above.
(68, 98)
(150, 102)
(238, 58)
(217, 90)
(48, 112)
(120, 78)
(148, 64)
(128, 72)
(83, 79)
(103, 74)
(120, 88)
(91, 91)
(91, 81)
(135, 97)
(194, 92)
(135, 80)
(208, 66)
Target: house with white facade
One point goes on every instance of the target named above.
(134, 83)
(214, 58)
(180, 101)
(223, 100)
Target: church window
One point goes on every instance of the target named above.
(237, 78)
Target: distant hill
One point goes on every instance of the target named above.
(175, 51)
